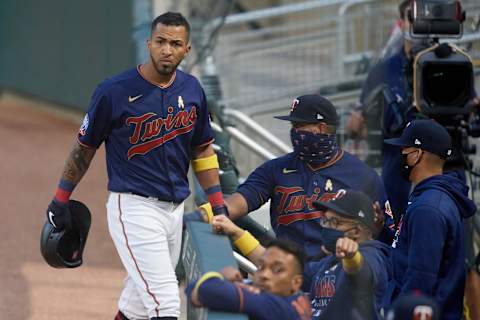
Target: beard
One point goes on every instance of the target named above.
(164, 69)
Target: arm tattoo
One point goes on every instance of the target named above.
(77, 163)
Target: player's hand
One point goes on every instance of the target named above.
(223, 225)
(346, 248)
(356, 126)
(58, 214)
(219, 210)
(231, 274)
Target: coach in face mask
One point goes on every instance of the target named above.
(316, 169)
(350, 282)
(428, 254)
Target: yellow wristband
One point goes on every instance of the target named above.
(353, 264)
(206, 276)
(206, 163)
(208, 209)
(246, 243)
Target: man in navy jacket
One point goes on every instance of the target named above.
(428, 254)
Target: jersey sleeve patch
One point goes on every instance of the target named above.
(83, 128)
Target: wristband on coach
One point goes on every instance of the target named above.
(353, 264)
(64, 191)
(205, 277)
(206, 163)
(246, 243)
(208, 209)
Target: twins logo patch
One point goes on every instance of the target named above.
(84, 126)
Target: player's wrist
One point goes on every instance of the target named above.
(215, 197)
(236, 234)
(246, 243)
(352, 263)
(63, 192)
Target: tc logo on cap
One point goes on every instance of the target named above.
(423, 313)
(294, 105)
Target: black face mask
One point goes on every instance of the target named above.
(405, 168)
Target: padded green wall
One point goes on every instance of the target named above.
(59, 50)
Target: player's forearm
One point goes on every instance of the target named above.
(354, 264)
(205, 165)
(237, 206)
(75, 168)
(249, 246)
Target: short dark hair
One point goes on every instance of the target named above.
(171, 19)
(290, 247)
(402, 7)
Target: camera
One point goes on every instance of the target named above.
(443, 82)
(436, 18)
(443, 74)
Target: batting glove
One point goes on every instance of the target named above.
(58, 214)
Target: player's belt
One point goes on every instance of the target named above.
(151, 197)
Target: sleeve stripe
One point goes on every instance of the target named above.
(85, 145)
(205, 143)
(240, 296)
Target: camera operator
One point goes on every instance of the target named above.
(389, 92)
(394, 73)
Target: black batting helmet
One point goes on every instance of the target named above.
(64, 249)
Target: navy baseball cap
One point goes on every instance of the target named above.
(312, 108)
(351, 204)
(427, 135)
(414, 306)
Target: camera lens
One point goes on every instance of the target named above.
(446, 85)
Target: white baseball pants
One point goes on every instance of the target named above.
(147, 234)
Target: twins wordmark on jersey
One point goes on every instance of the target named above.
(296, 205)
(148, 128)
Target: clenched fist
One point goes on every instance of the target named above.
(346, 248)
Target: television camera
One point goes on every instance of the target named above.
(443, 75)
(440, 78)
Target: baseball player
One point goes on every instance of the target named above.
(275, 291)
(153, 120)
(314, 171)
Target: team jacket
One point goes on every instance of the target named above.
(292, 187)
(220, 295)
(149, 132)
(335, 294)
(428, 252)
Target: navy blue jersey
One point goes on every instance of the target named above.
(221, 295)
(149, 132)
(428, 254)
(338, 295)
(292, 186)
